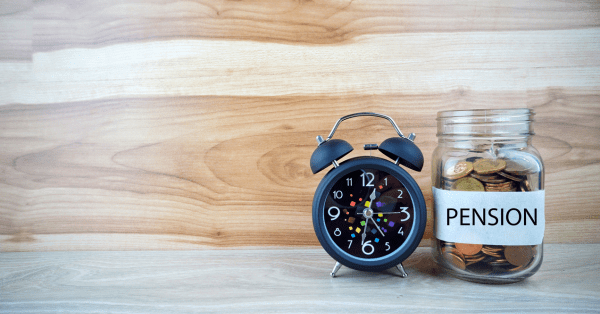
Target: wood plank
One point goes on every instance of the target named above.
(382, 64)
(291, 281)
(181, 173)
(62, 24)
(16, 31)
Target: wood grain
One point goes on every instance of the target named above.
(290, 281)
(411, 63)
(233, 171)
(63, 24)
(136, 125)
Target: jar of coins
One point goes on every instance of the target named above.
(488, 192)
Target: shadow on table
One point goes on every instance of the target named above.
(421, 262)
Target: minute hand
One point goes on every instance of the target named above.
(377, 227)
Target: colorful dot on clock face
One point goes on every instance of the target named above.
(362, 223)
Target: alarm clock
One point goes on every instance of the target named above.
(368, 213)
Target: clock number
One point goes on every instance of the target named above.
(332, 215)
(349, 245)
(385, 180)
(338, 194)
(387, 244)
(349, 181)
(404, 210)
(337, 232)
(367, 176)
(400, 231)
(400, 195)
(366, 245)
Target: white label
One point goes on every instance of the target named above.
(493, 218)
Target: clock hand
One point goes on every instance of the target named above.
(377, 227)
(404, 208)
(373, 196)
(360, 208)
(364, 235)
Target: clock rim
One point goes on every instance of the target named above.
(402, 252)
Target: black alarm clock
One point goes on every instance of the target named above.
(368, 213)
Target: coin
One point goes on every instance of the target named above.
(454, 259)
(519, 255)
(509, 176)
(459, 170)
(521, 163)
(472, 259)
(468, 184)
(493, 251)
(468, 249)
(502, 187)
(489, 178)
(487, 166)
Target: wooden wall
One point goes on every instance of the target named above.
(160, 124)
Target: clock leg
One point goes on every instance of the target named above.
(403, 274)
(335, 269)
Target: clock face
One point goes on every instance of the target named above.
(368, 213)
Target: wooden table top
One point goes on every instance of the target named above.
(282, 281)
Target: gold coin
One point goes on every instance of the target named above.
(472, 259)
(504, 187)
(468, 184)
(489, 178)
(487, 166)
(522, 165)
(455, 260)
(468, 249)
(518, 255)
(499, 185)
(509, 176)
(461, 169)
(492, 250)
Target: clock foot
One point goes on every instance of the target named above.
(335, 269)
(403, 274)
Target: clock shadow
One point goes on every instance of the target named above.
(418, 264)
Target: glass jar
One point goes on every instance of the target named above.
(488, 192)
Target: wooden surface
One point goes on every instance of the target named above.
(282, 281)
(161, 125)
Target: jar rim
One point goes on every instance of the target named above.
(486, 123)
(484, 112)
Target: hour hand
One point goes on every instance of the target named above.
(364, 234)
